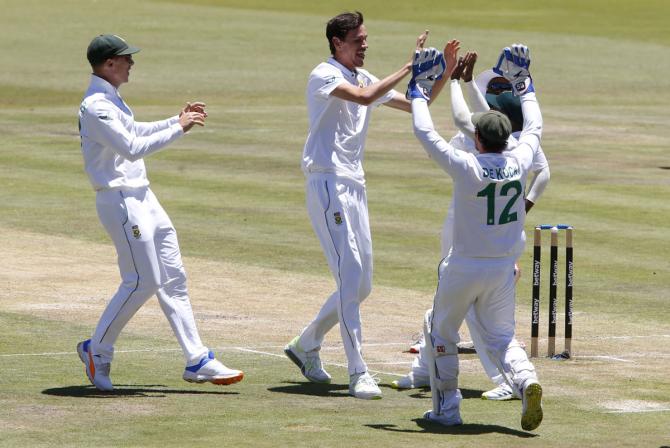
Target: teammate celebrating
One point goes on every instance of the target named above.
(340, 97)
(488, 238)
(498, 95)
(114, 146)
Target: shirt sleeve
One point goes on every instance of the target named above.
(108, 130)
(322, 82)
(460, 111)
(453, 161)
(477, 100)
(538, 184)
(147, 128)
(529, 140)
(540, 160)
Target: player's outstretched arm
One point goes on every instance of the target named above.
(369, 94)
(459, 108)
(514, 65)
(537, 186)
(144, 129)
(110, 131)
(445, 155)
(477, 101)
(450, 58)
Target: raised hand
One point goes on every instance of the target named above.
(189, 119)
(513, 64)
(451, 55)
(196, 106)
(469, 60)
(458, 69)
(427, 67)
(421, 40)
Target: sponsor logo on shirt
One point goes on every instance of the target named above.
(338, 218)
(136, 232)
(330, 80)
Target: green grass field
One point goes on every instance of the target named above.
(257, 275)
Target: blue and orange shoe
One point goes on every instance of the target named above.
(209, 369)
(96, 370)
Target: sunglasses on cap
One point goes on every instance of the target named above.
(498, 87)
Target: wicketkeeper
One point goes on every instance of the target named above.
(489, 217)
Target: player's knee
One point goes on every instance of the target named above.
(139, 289)
(134, 281)
(148, 288)
(145, 285)
(360, 280)
(175, 286)
(364, 290)
(176, 290)
(443, 347)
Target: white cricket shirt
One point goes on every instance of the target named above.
(489, 212)
(465, 143)
(337, 128)
(113, 143)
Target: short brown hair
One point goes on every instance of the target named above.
(340, 25)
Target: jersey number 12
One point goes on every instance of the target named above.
(490, 194)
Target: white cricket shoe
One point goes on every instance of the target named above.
(362, 385)
(411, 381)
(531, 410)
(449, 414)
(209, 369)
(501, 393)
(96, 370)
(309, 362)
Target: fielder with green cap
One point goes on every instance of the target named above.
(488, 238)
(107, 46)
(114, 146)
(488, 91)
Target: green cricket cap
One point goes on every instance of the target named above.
(105, 46)
(508, 104)
(492, 125)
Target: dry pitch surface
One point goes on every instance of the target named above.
(67, 281)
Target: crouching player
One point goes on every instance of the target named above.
(488, 237)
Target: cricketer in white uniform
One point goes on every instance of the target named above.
(488, 237)
(505, 102)
(113, 145)
(340, 98)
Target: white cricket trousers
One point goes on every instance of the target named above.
(486, 285)
(419, 364)
(149, 263)
(338, 210)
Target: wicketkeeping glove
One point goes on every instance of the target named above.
(513, 64)
(428, 67)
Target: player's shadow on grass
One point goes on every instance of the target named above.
(428, 427)
(307, 388)
(128, 390)
(424, 392)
